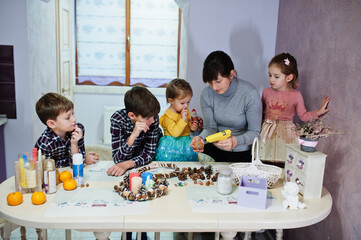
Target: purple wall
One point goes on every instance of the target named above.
(325, 38)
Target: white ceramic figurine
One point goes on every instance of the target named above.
(290, 193)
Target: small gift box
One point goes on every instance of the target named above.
(252, 192)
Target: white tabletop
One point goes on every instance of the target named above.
(169, 213)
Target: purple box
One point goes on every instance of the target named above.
(252, 192)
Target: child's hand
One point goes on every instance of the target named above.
(227, 144)
(76, 135)
(140, 127)
(120, 168)
(184, 114)
(194, 140)
(91, 158)
(194, 126)
(323, 109)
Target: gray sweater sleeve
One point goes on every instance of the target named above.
(254, 121)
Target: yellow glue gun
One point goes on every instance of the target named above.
(219, 136)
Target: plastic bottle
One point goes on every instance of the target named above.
(224, 182)
(78, 168)
(49, 176)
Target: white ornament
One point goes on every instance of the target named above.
(290, 193)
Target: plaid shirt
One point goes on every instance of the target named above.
(53, 146)
(143, 149)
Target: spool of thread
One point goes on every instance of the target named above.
(146, 176)
(131, 175)
(136, 183)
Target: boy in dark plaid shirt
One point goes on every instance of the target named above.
(63, 136)
(135, 131)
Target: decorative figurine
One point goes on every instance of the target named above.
(290, 193)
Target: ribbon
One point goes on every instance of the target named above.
(267, 132)
(307, 143)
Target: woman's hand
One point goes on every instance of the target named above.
(227, 144)
(323, 109)
(194, 140)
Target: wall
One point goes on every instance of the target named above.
(246, 30)
(325, 38)
(13, 31)
(30, 27)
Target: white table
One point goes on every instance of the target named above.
(170, 213)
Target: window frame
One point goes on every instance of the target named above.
(79, 87)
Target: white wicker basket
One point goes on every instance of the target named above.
(256, 168)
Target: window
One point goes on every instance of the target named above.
(127, 42)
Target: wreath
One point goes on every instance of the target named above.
(156, 185)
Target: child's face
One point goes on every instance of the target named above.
(180, 103)
(278, 80)
(65, 122)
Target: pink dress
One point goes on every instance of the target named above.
(278, 128)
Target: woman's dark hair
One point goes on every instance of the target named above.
(178, 88)
(217, 62)
(288, 65)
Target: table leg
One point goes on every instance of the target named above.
(247, 235)
(190, 236)
(102, 235)
(228, 235)
(67, 234)
(38, 232)
(23, 233)
(216, 236)
(279, 234)
(45, 234)
(157, 236)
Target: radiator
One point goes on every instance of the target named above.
(108, 112)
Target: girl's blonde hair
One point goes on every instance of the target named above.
(178, 88)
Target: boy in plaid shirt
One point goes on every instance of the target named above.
(63, 137)
(135, 131)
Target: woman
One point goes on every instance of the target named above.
(228, 103)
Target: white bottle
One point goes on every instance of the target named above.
(78, 168)
(50, 176)
(224, 182)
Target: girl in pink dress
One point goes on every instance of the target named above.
(280, 101)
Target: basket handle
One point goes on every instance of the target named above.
(255, 151)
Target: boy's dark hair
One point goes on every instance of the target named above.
(288, 65)
(217, 62)
(178, 88)
(50, 105)
(140, 101)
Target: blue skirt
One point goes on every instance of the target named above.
(175, 149)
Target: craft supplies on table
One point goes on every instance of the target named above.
(252, 192)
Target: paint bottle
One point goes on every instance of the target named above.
(78, 168)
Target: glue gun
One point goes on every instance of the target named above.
(219, 136)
